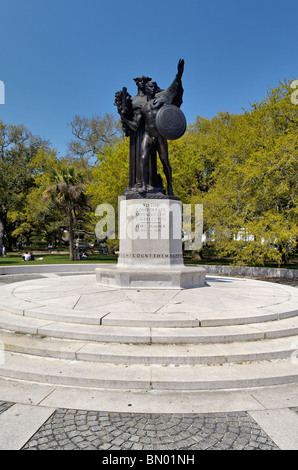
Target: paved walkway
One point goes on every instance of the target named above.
(92, 430)
(29, 427)
(263, 419)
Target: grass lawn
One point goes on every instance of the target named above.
(63, 258)
(16, 259)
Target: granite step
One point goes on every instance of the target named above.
(176, 316)
(145, 377)
(113, 334)
(216, 353)
(227, 334)
(116, 353)
(137, 319)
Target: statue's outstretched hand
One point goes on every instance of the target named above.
(180, 68)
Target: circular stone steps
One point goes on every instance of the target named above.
(233, 333)
(216, 353)
(149, 377)
(142, 335)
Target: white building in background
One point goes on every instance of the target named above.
(208, 236)
(244, 236)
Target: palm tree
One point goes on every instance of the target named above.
(67, 191)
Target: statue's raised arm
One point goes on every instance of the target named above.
(180, 69)
(174, 94)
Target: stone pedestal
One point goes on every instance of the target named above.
(150, 252)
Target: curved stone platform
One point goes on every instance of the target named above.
(68, 330)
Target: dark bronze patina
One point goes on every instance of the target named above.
(150, 119)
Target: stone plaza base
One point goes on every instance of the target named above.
(163, 277)
(70, 333)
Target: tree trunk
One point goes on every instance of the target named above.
(28, 239)
(10, 242)
(70, 230)
(2, 228)
(284, 254)
(1, 234)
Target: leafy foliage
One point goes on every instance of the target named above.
(18, 149)
(67, 191)
(254, 183)
(243, 169)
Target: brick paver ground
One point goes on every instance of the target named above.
(92, 430)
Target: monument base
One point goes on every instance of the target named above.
(150, 252)
(166, 277)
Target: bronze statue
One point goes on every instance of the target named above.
(150, 119)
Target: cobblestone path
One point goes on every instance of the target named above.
(77, 430)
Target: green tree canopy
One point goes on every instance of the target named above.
(67, 191)
(242, 167)
(18, 148)
(254, 183)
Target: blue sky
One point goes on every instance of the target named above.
(60, 58)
